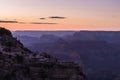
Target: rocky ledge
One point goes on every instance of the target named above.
(19, 63)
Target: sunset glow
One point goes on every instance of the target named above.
(60, 14)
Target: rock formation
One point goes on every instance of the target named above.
(19, 63)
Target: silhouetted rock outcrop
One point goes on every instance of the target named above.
(19, 63)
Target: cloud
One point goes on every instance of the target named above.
(42, 23)
(11, 21)
(57, 17)
(8, 21)
(42, 18)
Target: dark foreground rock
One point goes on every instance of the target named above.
(19, 63)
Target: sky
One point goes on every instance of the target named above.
(60, 14)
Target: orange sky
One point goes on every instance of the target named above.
(66, 14)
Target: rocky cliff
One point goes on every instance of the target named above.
(19, 63)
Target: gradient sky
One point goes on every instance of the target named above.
(79, 14)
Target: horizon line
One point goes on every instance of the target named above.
(68, 30)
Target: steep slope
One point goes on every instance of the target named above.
(19, 63)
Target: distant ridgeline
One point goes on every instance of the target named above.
(19, 63)
(98, 52)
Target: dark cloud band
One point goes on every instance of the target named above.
(42, 18)
(41, 23)
(4, 21)
(57, 17)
